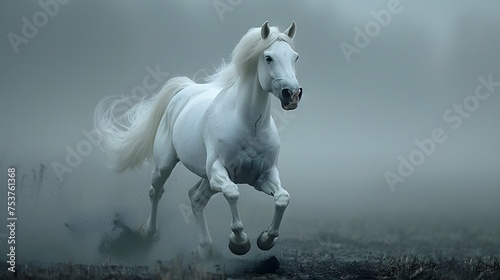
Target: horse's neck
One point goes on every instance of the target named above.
(252, 103)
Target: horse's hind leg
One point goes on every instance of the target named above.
(199, 195)
(165, 161)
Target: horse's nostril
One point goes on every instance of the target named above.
(286, 93)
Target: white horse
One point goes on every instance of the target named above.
(222, 131)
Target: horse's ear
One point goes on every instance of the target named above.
(264, 31)
(290, 31)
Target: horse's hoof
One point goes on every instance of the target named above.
(266, 242)
(239, 248)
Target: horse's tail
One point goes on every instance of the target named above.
(127, 133)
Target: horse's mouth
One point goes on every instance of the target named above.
(289, 106)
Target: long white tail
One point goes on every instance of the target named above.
(127, 134)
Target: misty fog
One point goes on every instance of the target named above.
(372, 89)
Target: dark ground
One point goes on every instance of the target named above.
(358, 251)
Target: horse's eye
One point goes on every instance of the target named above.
(268, 58)
(297, 58)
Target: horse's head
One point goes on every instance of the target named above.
(276, 69)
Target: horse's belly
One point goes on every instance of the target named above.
(188, 128)
(188, 144)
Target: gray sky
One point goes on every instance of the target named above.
(359, 112)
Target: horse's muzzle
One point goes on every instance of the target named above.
(290, 99)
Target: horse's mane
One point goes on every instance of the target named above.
(245, 54)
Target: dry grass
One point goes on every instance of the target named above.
(294, 265)
(349, 253)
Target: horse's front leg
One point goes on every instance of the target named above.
(220, 182)
(272, 186)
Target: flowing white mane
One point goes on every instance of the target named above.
(245, 54)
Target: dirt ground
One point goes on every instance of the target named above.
(356, 251)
